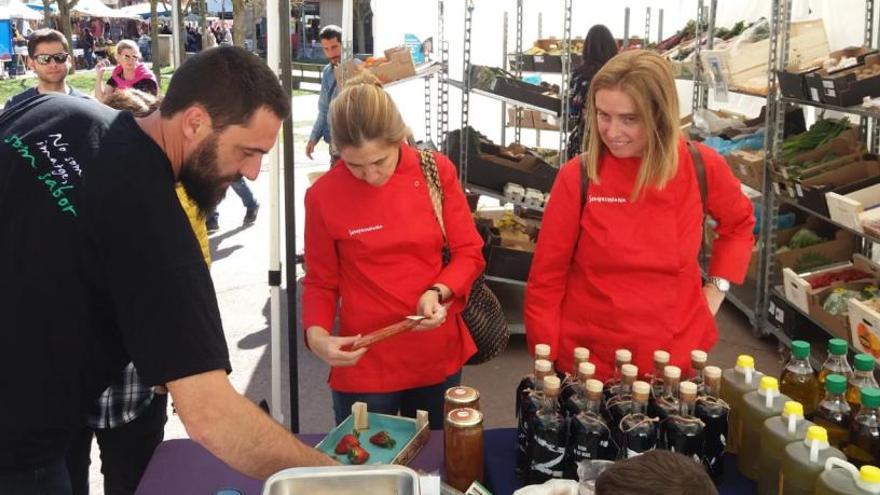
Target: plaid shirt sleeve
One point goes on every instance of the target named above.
(122, 402)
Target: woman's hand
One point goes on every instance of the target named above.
(432, 309)
(329, 348)
(714, 298)
(99, 68)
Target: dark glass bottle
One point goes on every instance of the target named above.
(577, 397)
(572, 382)
(833, 413)
(714, 414)
(639, 431)
(864, 430)
(699, 359)
(550, 435)
(661, 361)
(529, 382)
(621, 404)
(683, 432)
(667, 404)
(621, 357)
(528, 407)
(589, 436)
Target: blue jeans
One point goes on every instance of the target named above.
(244, 193)
(404, 402)
(51, 479)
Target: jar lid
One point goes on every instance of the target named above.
(462, 394)
(464, 416)
(594, 386)
(543, 365)
(688, 388)
(769, 383)
(869, 474)
(817, 433)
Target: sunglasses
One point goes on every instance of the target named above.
(130, 57)
(44, 58)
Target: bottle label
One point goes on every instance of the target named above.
(547, 458)
(630, 453)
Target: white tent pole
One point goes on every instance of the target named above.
(175, 33)
(273, 59)
(347, 24)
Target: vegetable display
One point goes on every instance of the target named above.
(821, 132)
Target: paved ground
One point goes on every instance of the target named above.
(239, 272)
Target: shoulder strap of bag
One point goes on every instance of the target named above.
(700, 169)
(585, 181)
(435, 187)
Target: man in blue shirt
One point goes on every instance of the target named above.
(331, 41)
(49, 58)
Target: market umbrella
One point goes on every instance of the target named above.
(97, 8)
(15, 9)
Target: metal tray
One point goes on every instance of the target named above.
(344, 480)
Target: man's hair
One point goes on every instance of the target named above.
(330, 32)
(657, 471)
(46, 35)
(230, 83)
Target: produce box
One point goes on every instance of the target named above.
(849, 86)
(810, 192)
(793, 81)
(781, 315)
(855, 208)
(839, 249)
(409, 434)
(504, 262)
(516, 90)
(528, 62)
(532, 119)
(847, 143)
(748, 167)
(399, 65)
(742, 63)
(864, 327)
(548, 63)
(800, 292)
(837, 324)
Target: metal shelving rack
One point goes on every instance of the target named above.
(773, 199)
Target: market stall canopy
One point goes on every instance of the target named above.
(215, 6)
(143, 9)
(15, 9)
(97, 8)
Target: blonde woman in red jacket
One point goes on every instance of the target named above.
(623, 272)
(373, 249)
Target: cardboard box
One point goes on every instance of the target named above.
(399, 65)
(810, 192)
(800, 293)
(548, 63)
(864, 326)
(748, 167)
(847, 146)
(781, 315)
(793, 80)
(532, 119)
(838, 249)
(850, 210)
(741, 64)
(843, 88)
(520, 91)
(838, 325)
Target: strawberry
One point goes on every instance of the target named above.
(382, 439)
(357, 455)
(346, 443)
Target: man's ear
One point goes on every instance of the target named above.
(195, 123)
(31, 63)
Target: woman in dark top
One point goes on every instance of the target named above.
(599, 47)
(129, 72)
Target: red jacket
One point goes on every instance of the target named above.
(377, 250)
(624, 274)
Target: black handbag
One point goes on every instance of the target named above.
(482, 314)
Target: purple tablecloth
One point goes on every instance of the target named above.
(184, 467)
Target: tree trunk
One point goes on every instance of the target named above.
(203, 22)
(154, 40)
(64, 7)
(238, 22)
(47, 13)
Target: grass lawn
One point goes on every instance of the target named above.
(83, 81)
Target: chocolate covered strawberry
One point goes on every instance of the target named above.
(382, 439)
(346, 443)
(357, 455)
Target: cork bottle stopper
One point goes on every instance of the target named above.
(581, 354)
(542, 351)
(641, 390)
(661, 357)
(672, 372)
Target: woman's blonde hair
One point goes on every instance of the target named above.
(127, 45)
(647, 78)
(363, 112)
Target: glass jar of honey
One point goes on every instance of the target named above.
(461, 396)
(463, 443)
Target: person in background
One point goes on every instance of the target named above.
(251, 207)
(373, 247)
(129, 72)
(616, 265)
(145, 46)
(129, 417)
(87, 43)
(331, 42)
(49, 58)
(599, 47)
(88, 293)
(656, 471)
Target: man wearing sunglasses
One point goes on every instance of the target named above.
(50, 60)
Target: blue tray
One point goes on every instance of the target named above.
(409, 435)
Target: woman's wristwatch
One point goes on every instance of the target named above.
(723, 285)
(438, 291)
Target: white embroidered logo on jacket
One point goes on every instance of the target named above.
(364, 230)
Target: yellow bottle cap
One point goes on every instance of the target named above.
(870, 474)
(793, 408)
(745, 361)
(769, 383)
(817, 433)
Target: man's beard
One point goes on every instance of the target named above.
(200, 176)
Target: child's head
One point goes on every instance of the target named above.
(657, 471)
